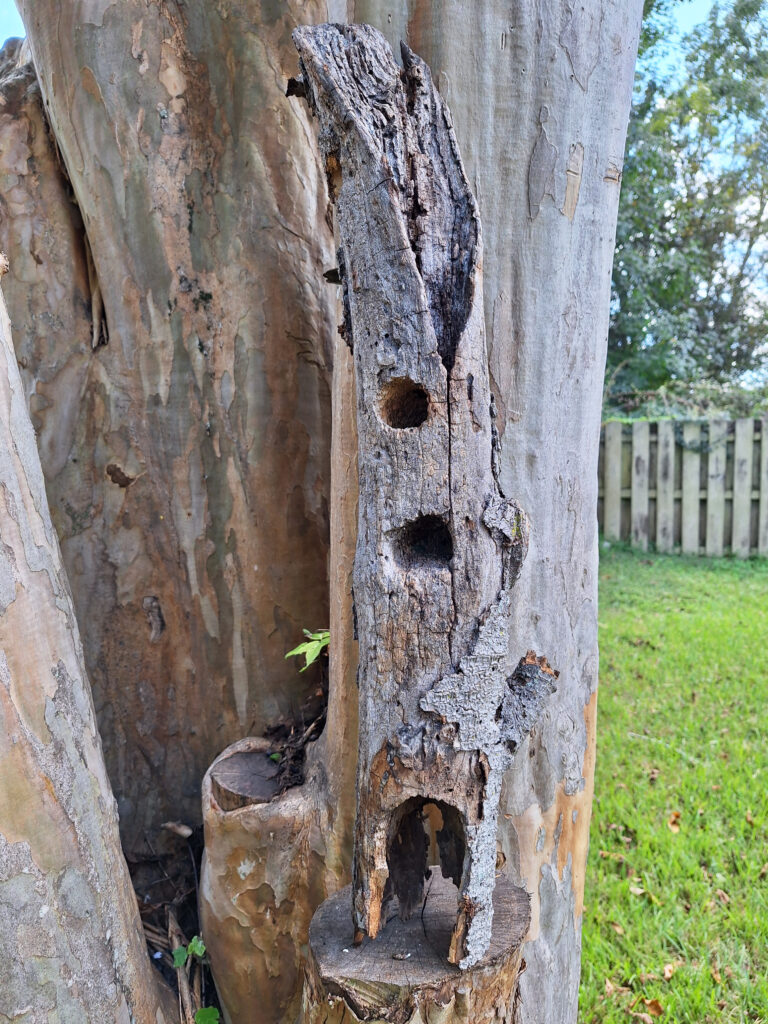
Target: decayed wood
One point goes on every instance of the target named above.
(71, 944)
(403, 976)
(439, 546)
(268, 865)
(187, 456)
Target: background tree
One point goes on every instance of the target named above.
(690, 279)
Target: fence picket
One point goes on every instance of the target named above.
(665, 486)
(640, 475)
(612, 481)
(718, 432)
(742, 487)
(691, 489)
(762, 518)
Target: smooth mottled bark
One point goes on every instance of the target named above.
(191, 467)
(71, 943)
(439, 546)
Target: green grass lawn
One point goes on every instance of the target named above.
(678, 863)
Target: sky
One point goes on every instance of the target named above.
(10, 22)
(688, 14)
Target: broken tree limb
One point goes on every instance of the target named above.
(439, 546)
(404, 976)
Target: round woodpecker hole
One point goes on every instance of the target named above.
(403, 403)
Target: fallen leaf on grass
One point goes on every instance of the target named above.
(763, 872)
(724, 898)
(716, 975)
(611, 989)
(617, 927)
(749, 818)
(673, 820)
(637, 890)
(645, 978)
(653, 774)
(646, 1018)
(669, 969)
(652, 1006)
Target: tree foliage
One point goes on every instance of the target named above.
(690, 282)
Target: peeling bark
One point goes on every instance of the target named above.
(71, 943)
(180, 375)
(439, 546)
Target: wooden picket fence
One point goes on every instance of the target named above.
(696, 487)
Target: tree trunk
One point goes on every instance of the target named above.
(539, 98)
(439, 547)
(540, 101)
(191, 466)
(71, 943)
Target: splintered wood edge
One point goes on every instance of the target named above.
(406, 965)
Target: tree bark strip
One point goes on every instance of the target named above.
(71, 942)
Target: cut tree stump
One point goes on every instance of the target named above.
(439, 545)
(403, 977)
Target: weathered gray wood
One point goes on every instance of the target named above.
(640, 482)
(744, 430)
(691, 500)
(665, 486)
(762, 519)
(718, 432)
(439, 546)
(612, 481)
(403, 976)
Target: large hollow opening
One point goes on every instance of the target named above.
(425, 542)
(422, 832)
(403, 403)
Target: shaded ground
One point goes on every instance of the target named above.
(677, 884)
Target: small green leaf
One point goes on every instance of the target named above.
(275, 757)
(207, 1015)
(311, 653)
(196, 946)
(179, 956)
